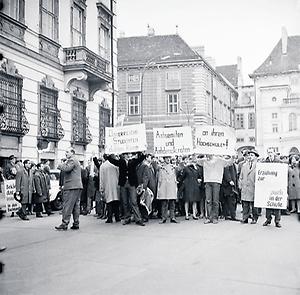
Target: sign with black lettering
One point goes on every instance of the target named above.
(9, 189)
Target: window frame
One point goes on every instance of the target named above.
(239, 119)
(275, 128)
(82, 8)
(18, 8)
(251, 120)
(138, 104)
(292, 121)
(81, 140)
(177, 103)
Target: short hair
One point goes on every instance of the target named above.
(11, 157)
(39, 165)
(26, 161)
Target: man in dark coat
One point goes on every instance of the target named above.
(72, 190)
(128, 183)
(10, 170)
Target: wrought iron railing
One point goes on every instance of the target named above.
(292, 100)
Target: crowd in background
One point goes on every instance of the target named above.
(136, 187)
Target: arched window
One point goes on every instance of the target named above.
(292, 122)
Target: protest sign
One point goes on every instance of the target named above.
(215, 140)
(173, 141)
(271, 185)
(125, 139)
(9, 189)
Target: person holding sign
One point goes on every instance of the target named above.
(272, 158)
(247, 187)
(213, 168)
(167, 190)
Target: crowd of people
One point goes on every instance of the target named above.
(136, 187)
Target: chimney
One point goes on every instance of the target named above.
(239, 72)
(284, 40)
(151, 31)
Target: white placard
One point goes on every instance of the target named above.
(9, 189)
(125, 139)
(271, 185)
(215, 140)
(173, 141)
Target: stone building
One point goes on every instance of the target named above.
(56, 78)
(277, 89)
(162, 82)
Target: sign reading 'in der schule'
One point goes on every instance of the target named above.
(271, 185)
(125, 139)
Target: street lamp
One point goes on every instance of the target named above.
(151, 62)
(188, 112)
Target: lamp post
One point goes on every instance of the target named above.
(188, 112)
(152, 61)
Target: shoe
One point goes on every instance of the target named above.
(187, 218)
(207, 221)
(61, 227)
(108, 221)
(49, 213)
(266, 223)
(126, 221)
(173, 220)
(22, 215)
(201, 216)
(39, 215)
(2, 248)
(162, 221)
(277, 224)
(74, 227)
(141, 223)
(215, 221)
(195, 218)
(253, 221)
(117, 219)
(244, 221)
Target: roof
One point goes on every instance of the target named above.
(139, 50)
(230, 72)
(277, 63)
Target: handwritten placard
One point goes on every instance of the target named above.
(215, 140)
(125, 139)
(173, 141)
(271, 185)
(9, 189)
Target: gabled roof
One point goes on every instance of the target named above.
(230, 72)
(277, 62)
(139, 50)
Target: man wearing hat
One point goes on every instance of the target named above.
(247, 187)
(10, 170)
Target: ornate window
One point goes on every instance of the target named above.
(14, 9)
(78, 23)
(134, 104)
(81, 134)
(292, 121)
(12, 120)
(251, 120)
(173, 103)
(50, 126)
(49, 18)
(104, 121)
(239, 122)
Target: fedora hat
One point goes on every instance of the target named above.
(253, 152)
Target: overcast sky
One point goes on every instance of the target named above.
(227, 28)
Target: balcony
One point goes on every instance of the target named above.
(80, 63)
(291, 102)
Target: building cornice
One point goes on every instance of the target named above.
(260, 75)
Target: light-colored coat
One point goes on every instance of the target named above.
(24, 185)
(109, 177)
(294, 183)
(247, 182)
(167, 184)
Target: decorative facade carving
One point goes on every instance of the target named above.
(48, 82)
(78, 93)
(48, 47)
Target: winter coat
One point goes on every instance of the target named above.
(294, 183)
(41, 187)
(24, 185)
(109, 176)
(247, 182)
(230, 174)
(167, 184)
(72, 174)
(192, 177)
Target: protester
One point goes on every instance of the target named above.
(128, 183)
(294, 183)
(24, 189)
(213, 168)
(45, 170)
(109, 176)
(272, 158)
(72, 190)
(167, 190)
(247, 187)
(192, 178)
(10, 170)
(91, 173)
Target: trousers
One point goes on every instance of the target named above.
(212, 191)
(71, 206)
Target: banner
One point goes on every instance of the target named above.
(173, 141)
(215, 140)
(125, 139)
(271, 185)
(9, 189)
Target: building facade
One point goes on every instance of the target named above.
(56, 77)
(277, 89)
(162, 82)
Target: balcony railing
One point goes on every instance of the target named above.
(80, 56)
(293, 100)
